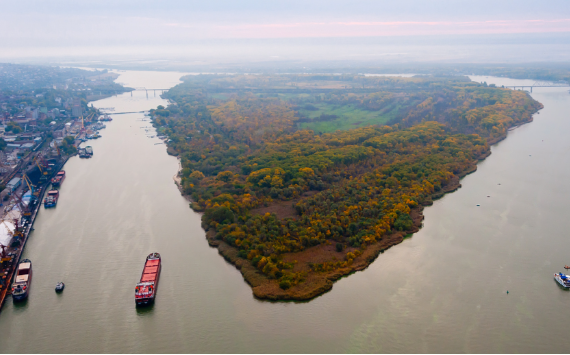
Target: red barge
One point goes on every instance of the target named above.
(58, 179)
(145, 292)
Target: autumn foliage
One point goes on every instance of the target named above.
(241, 150)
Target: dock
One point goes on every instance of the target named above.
(9, 272)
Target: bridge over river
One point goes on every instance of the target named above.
(540, 84)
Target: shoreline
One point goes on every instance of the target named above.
(316, 284)
(27, 232)
(4, 292)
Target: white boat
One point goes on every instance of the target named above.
(562, 279)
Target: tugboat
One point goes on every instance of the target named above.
(59, 287)
(145, 291)
(22, 282)
(58, 179)
(51, 199)
(562, 279)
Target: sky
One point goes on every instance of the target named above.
(445, 30)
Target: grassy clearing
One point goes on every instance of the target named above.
(349, 117)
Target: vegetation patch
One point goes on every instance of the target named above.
(296, 209)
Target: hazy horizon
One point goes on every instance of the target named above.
(226, 32)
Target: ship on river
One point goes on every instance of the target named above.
(22, 281)
(51, 199)
(58, 179)
(562, 279)
(145, 291)
(105, 118)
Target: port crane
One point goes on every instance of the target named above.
(3, 254)
(89, 118)
(45, 171)
(16, 233)
(4, 258)
(25, 208)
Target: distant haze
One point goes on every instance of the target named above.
(259, 31)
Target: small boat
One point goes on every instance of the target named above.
(59, 287)
(566, 267)
(562, 279)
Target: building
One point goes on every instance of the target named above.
(53, 113)
(27, 146)
(76, 110)
(14, 184)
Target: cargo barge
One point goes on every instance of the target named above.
(145, 291)
(22, 281)
(58, 179)
(51, 199)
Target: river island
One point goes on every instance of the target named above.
(304, 179)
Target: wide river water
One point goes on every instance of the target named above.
(443, 290)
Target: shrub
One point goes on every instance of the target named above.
(403, 222)
(285, 284)
(221, 214)
(256, 260)
(339, 247)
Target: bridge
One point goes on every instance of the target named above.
(540, 84)
(147, 90)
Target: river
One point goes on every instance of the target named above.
(443, 290)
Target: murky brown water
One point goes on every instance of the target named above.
(443, 290)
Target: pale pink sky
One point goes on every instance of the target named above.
(214, 28)
(374, 28)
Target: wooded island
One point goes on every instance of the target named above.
(306, 178)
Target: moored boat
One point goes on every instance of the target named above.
(105, 118)
(51, 199)
(58, 179)
(89, 151)
(22, 281)
(145, 291)
(562, 279)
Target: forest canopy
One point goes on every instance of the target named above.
(342, 160)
